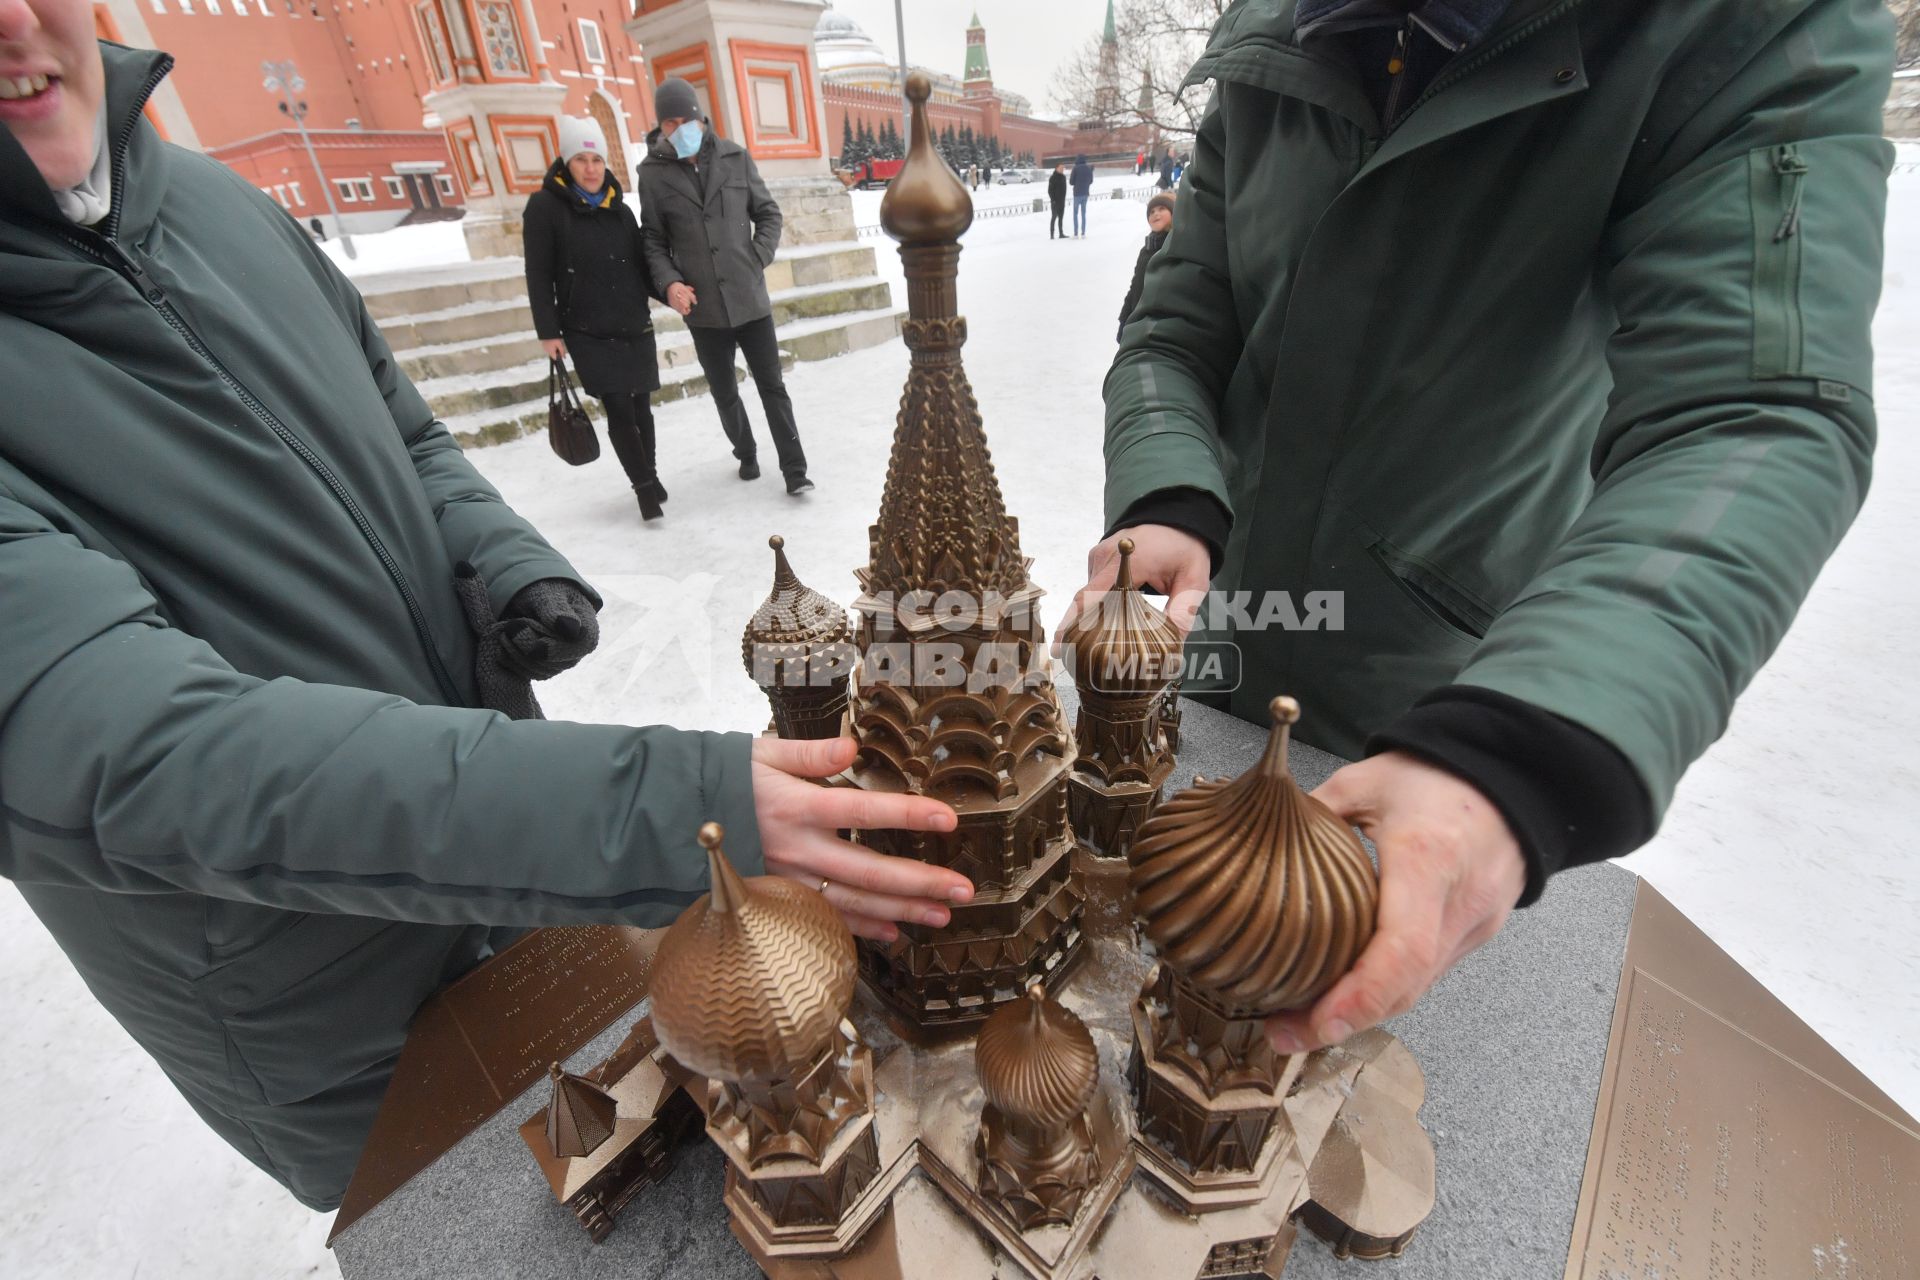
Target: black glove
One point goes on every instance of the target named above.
(549, 626)
(501, 689)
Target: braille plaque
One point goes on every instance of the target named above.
(486, 1038)
(1730, 1141)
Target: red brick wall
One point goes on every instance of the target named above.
(1017, 133)
(362, 60)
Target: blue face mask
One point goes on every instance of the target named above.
(686, 139)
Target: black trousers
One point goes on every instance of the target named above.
(630, 428)
(1055, 224)
(755, 340)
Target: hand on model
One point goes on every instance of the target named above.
(680, 297)
(800, 823)
(1170, 561)
(556, 348)
(1450, 872)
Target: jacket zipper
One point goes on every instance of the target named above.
(1456, 71)
(1397, 68)
(1793, 180)
(1779, 181)
(156, 297)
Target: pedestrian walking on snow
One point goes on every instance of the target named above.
(1167, 178)
(588, 287)
(973, 176)
(1159, 223)
(710, 228)
(1082, 184)
(1057, 197)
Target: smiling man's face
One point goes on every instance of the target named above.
(51, 84)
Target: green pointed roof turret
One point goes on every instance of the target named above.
(977, 67)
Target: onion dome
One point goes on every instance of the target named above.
(1253, 891)
(1036, 1061)
(579, 1115)
(1123, 645)
(753, 979)
(795, 624)
(925, 203)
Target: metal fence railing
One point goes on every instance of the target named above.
(1036, 205)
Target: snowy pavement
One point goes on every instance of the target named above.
(1792, 843)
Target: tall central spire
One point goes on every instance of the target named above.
(955, 697)
(943, 525)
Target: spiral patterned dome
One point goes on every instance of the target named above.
(1124, 645)
(753, 979)
(1253, 891)
(794, 623)
(1036, 1061)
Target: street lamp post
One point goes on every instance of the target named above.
(284, 79)
(906, 108)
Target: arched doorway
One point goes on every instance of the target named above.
(603, 115)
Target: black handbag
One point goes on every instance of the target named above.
(569, 430)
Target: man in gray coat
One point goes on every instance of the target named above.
(245, 777)
(710, 228)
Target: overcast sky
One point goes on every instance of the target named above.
(1026, 39)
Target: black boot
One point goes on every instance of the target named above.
(649, 501)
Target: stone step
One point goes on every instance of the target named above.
(395, 296)
(462, 338)
(499, 423)
(492, 409)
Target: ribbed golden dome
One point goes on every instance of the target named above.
(1036, 1061)
(794, 623)
(753, 979)
(926, 203)
(1252, 890)
(1123, 645)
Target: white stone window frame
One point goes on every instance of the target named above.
(444, 181)
(593, 45)
(298, 199)
(396, 187)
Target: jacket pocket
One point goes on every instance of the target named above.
(1444, 602)
(1777, 178)
(319, 1002)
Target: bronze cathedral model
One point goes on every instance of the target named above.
(1023, 1091)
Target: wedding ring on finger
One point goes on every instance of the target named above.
(824, 882)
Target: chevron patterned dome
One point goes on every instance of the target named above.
(753, 979)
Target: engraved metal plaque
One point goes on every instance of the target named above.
(486, 1038)
(1730, 1140)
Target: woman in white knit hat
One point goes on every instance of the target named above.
(588, 285)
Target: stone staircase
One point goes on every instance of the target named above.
(464, 335)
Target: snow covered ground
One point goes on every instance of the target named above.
(1791, 843)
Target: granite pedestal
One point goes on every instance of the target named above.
(1512, 1042)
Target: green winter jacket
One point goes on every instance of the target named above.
(240, 777)
(1563, 382)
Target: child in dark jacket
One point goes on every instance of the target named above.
(1159, 222)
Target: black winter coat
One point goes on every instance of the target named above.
(1154, 240)
(1057, 189)
(587, 282)
(714, 229)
